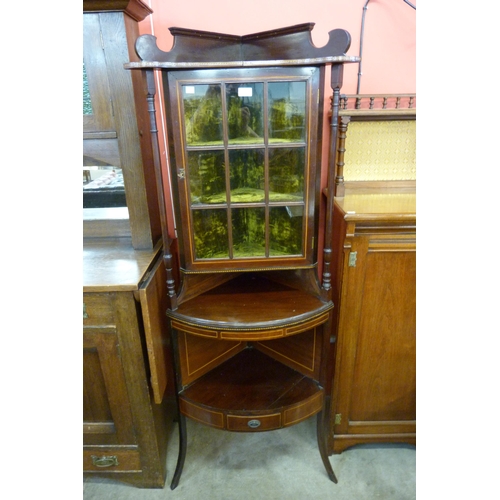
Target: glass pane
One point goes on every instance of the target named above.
(207, 180)
(87, 102)
(285, 224)
(286, 174)
(245, 104)
(249, 235)
(287, 111)
(210, 234)
(202, 114)
(246, 168)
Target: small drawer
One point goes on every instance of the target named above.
(253, 423)
(97, 309)
(109, 460)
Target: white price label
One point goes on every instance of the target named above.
(244, 91)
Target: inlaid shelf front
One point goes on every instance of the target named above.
(250, 321)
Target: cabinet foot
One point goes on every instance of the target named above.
(182, 451)
(322, 445)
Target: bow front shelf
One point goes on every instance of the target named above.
(266, 359)
(250, 317)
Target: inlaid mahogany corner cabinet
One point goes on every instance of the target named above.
(250, 321)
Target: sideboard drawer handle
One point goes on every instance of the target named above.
(254, 424)
(85, 315)
(104, 461)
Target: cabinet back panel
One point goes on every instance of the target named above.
(200, 355)
(300, 352)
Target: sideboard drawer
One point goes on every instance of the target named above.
(109, 460)
(97, 309)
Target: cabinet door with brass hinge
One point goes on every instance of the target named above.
(374, 397)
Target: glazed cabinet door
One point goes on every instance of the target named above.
(244, 160)
(375, 381)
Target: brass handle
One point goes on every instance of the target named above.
(104, 461)
(85, 315)
(254, 424)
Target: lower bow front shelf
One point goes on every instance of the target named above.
(251, 392)
(256, 366)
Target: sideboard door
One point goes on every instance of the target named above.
(154, 304)
(375, 375)
(106, 403)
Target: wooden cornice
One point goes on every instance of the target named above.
(134, 8)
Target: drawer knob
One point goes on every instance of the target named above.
(104, 461)
(254, 423)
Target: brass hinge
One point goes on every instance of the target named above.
(338, 418)
(352, 259)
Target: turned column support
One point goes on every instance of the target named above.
(167, 240)
(336, 84)
(339, 177)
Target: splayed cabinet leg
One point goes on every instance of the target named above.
(322, 445)
(182, 451)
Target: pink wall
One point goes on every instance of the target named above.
(388, 48)
(389, 37)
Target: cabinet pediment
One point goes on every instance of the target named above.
(285, 46)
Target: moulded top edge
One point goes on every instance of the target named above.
(174, 30)
(242, 64)
(243, 327)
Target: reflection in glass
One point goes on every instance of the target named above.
(249, 234)
(285, 225)
(287, 111)
(210, 234)
(246, 168)
(87, 101)
(254, 171)
(207, 181)
(103, 186)
(245, 104)
(286, 174)
(202, 114)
